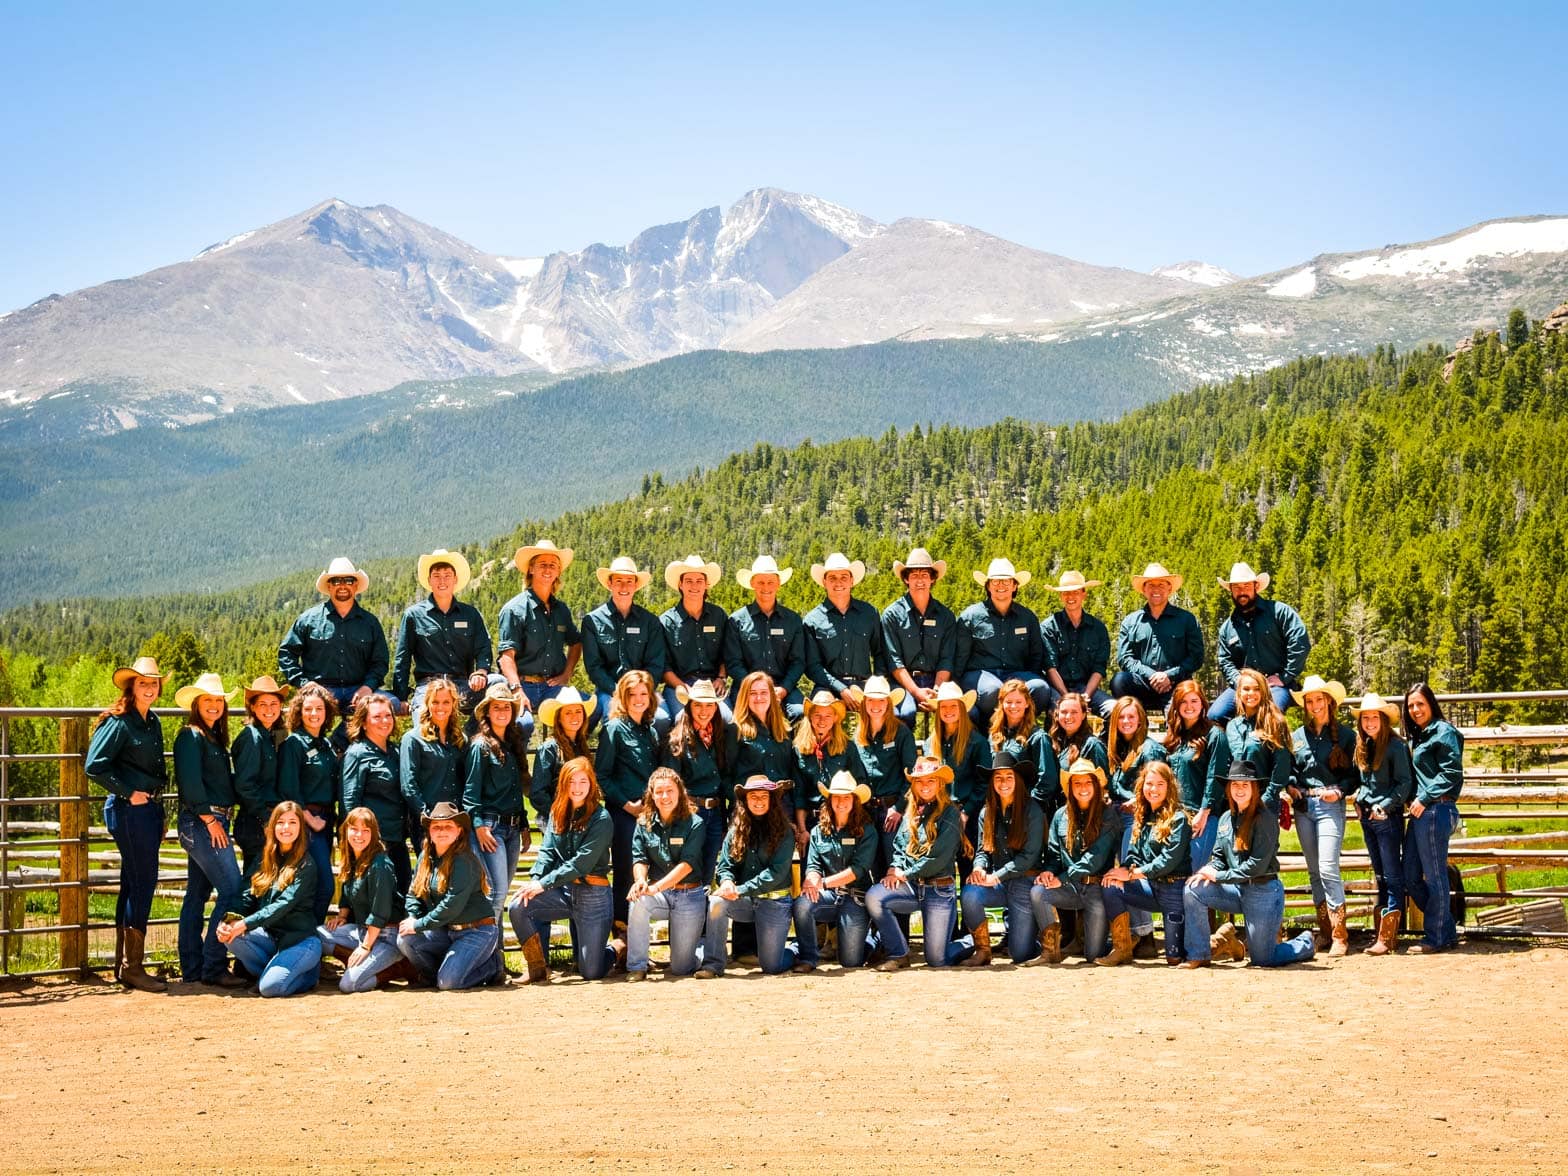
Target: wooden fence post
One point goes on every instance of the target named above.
(73, 844)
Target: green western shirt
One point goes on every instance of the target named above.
(761, 869)
(832, 851)
(766, 756)
(1197, 787)
(694, 646)
(843, 645)
(614, 644)
(464, 899)
(1049, 789)
(627, 754)
(372, 900)
(492, 785)
(1077, 861)
(308, 770)
(1171, 644)
(255, 755)
(774, 643)
(882, 765)
(920, 642)
(125, 755)
(1271, 639)
(429, 771)
(1008, 863)
(810, 770)
(1159, 860)
(323, 647)
(547, 771)
(1036, 751)
(1240, 741)
(568, 855)
(1259, 859)
(370, 778)
(708, 771)
(202, 772)
(1122, 782)
(431, 643)
(288, 914)
(662, 847)
(538, 634)
(1391, 785)
(1310, 752)
(989, 640)
(971, 772)
(936, 864)
(1076, 651)
(1437, 757)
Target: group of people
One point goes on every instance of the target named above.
(761, 768)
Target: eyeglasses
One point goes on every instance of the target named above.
(336, 580)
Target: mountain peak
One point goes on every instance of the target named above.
(1199, 273)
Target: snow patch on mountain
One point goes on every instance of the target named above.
(1500, 239)
(1301, 284)
(522, 268)
(1199, 273)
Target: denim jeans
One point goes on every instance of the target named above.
(1143, 895)
(535, 693)
(1385, 844)
(319, 846)
(1142, 922)
(1224, 708)
(250, 838)
(1073, 896)
(771, 917)
(686, 910)
(466, 699)
(1322, 831)
(588, 907)
(844, 908)
(452, 959)
(1203, 843)
(210, 871)
(1262, 904)
(938, 911)
(713, 825)
(906, 710)
(137, 830)
(1014, 896)
(622, 827)
(383, 954)
(500, 864)
(1124, 685)
(987, 684)
(1426, 871)
(283, 973)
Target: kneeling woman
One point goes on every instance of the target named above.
(449, 934)
(753, 880)
(840, 855)
(570, 879)
(925, 854)
(369, 908)
(1080, 848)
(1243, 878)
(275, 937)
(1012, 834)
(668, 851)
(1154, 871)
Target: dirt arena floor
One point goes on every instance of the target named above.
(1433, 1065)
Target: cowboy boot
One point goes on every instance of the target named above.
(1144, 948)
(535, 960)
(400, 970)
(1324, 935)
(119, 949)
(1050, 946)
(1121, 943)
(1225, 944)
(1339, 934)
(982, 955)
(618, 945)
(132, 973)
(1387, 933)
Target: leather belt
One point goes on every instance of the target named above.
(707, 802)
(781, 893)
(220, 811)
(593, 880)
(490, 922)
(533, 679)
(1259, 881)
(684, 886)
(509, 820)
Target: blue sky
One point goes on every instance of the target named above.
(1247, 135)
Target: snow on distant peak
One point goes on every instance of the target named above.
(1199, 273)
(232, 241)
(1503, 239)
(1301, 284)
(947, 227)
(844, 223)
(522, 267)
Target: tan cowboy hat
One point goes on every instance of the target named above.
(1316, 685)
(207, 684)
(342, 566)
(877, 687)
(673, 572)
(442, 556)
(824, 698)
(265, 685)
(949, 692)
(1083, 767)
(1072, 582)
(843, 784)
(567, 696)
(839, 562)
(929, 765)
(623, 565)
(1002, 569)
(1372, 701)
(699, 691)
(763, 565)
(445, 810)
(500, 692)
(756, 784)
(1156, 571)
(142, 667)
(1242, 573)
(525, 555)
(920, 558)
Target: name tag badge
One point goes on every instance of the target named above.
(560, 628)
(638, 629)
(677, 841)
(710, 628)
(929, 624)
(776, 632)
(1020, 631)
(849, 841)
(459, 624)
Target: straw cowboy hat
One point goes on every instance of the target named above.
(265, 684)
(1002, 569)
(838, 562)
(1316, 685)
(1372, 701)
(673, 572)
(843, 784)
(567, 696)
(824, 698)
(920, 558)
(1073, 582)
(1083, 767)
(699, 691)
(878, 687)
(442, 556)
(500, 692)
(928, 766)
(142, 667)
(1156, 571)
(623, 565)
(525, 555)
(949, 692)
(1242, 573)
(444, 811)
(342, 566)
(207, 684)
(763, 565)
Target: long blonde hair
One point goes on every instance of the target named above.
(437, 868)
(806, 736)
(962, 730)
(1164, 817)
(922, 833)
(428, 731)
(277, 870)
(1119, 756)
(1267, 720)
(746, 722)
(1001, 730)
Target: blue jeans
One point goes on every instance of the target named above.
(771, 916)
(1322, 831)
(713, 828)
(1202, 852)
(906, 709)
(1426, 871)
(1073, 896)
(987, 684)
(1224, 708)
(844, 908)
(1385, 844)
(1013, 895)
(1124, 685)
(344, 697)
(535, 693)
(686, 910)
(210, 871)
(137, 830)
(1143, 895)
(383, 954)
(1262, 904)
(319, 846)
(1142, 923)
(938, 911)
(588, 907)
(499, 868)
(467, 699)
(452, 959)
(283, 973)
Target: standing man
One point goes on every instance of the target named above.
(621, 635)
(921, 634)
(766, 636)
(1158, 646)
(1262, 635)
(693, 631)
(337, 645)
(1077, 645)
(844, 644)
(998, 639)
(442, 637)
(540, 643)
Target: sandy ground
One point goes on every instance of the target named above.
(1405, 1064)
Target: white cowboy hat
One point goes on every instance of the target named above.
(838, 562)
(623, 565)
(920, 558)
(1372, 701)
(208, 683)
(525, 555)
(142, 667)
(1072, 582)
(763, 565)
(342, 566)
(692, 563)
(843, 784)
(1242, 573)
(824, 698)
(949, 692)
(567, 696)
(1156, 571)
(1002, 569)
(1316, 685)
(266, 684)
(878, 687)
(442, 556)
(699, 691)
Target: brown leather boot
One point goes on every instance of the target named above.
(1051, 944)
(535, 960)
(401, 970)
(132, 973)
(1225, 944)
(982, 955)
(1324, 935)
(1339, 934)
(1387, 934)
(1121, 942)
(119, 949)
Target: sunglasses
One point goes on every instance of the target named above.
(336, 580)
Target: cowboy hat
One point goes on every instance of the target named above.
(824, 698)
(949, 692)
(207, 684)
(699, 691)
(1156, 571)
(843, 784)
(623, 565)
(1372, 701)
(839, 562)
(342, 566)
(1002, 569)
(1005, 761)
(500, 692)
(877, 687)
(265, 685)
(444, 810)
(692, 563)
(929, 765)
(756, 784)
(920, 558)
(1083, 767)
(763, 565)
(1245, 769)
(1316, 685)
(525, 555)
(567, 696)
(1073, 582)
(454, 559)
(142, 667)
(1242, 573)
